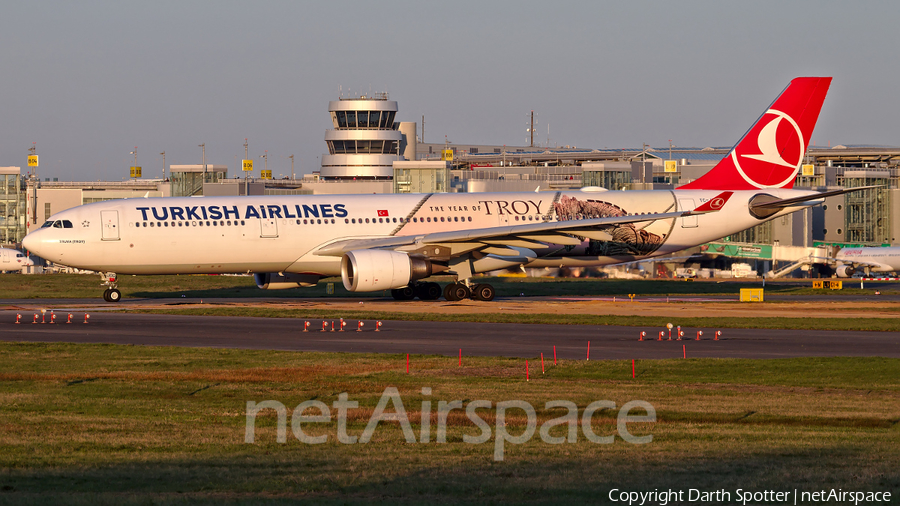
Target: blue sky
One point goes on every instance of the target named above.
(89, 81)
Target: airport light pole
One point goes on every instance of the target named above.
(246, 173)
(292, 167)
(134, 166)
(37, 181)
(164, 165)
(203, 151)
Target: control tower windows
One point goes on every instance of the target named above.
(371, 120)
(363, 147)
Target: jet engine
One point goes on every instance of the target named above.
(845, 271)
(283, 281)
(372, 270)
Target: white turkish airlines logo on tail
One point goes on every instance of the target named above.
(716, 203)
(770, 153)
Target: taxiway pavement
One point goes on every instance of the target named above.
(443, 338)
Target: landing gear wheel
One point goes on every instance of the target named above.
(484, 292)
(106, 295)
(405, 293)
(458, 291)
(428, 291)
(113, 295)
(448, 292)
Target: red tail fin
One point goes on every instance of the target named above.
(771, 152)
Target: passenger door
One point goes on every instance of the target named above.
(110, 225)
(687, 205)
(268, 227)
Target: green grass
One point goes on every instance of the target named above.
(812, 323)
(88, 286)
(105, 424)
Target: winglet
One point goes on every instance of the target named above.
(714, 204)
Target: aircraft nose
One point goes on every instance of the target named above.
(29, 242)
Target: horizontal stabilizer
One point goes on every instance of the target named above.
(763, 206)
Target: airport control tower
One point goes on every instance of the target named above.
(366, 141)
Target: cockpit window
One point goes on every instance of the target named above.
(57, 224)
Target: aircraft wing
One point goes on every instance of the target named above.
(501, 240)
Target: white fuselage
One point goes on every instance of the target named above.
(876, 259)
(284, 233)
(13, 260)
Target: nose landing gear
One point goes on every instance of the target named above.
(112, 294)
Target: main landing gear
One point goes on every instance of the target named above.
(461, 291)
(112, 294)
(451, 292)
(424, 291)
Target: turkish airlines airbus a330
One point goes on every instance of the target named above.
(380, 242)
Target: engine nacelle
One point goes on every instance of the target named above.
(282, 281)
(845, 271)
(371, 270)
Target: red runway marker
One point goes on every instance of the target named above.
(632, 368)
(554, 354)
(589, 351)
(526, 370)
(542, 362)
